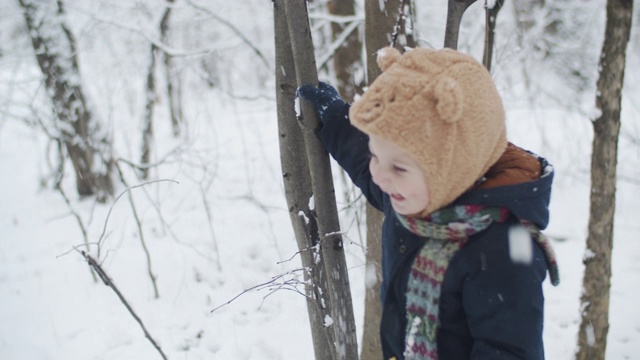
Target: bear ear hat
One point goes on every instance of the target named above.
(450, 101)
(387, 57)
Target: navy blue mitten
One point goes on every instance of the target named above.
(326, 99)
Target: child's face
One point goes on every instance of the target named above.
(396, 172)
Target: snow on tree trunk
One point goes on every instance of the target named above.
(331, 243)
(592, 337)
(88, 147)
(297, 185)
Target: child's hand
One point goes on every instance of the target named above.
(325, 97)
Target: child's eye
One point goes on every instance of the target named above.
(399, 169)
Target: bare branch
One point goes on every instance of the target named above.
(235, 30)
(107, 281)
(269, 284)
(104, 229)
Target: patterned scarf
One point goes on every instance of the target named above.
(447, 230)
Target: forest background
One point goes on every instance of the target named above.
(210, 220)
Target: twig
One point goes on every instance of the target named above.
(269, 285)
(58, 186)
(141, 233)
(235, 30)
(104, 229)
(107, 281)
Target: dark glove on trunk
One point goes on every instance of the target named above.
(326, 99)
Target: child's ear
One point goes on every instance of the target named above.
(387, 57)
(449, 99)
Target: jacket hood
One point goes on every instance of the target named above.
(527, 197)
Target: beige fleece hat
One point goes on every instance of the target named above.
(444, 109)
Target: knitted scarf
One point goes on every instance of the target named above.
(447, 231)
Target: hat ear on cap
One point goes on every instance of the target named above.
(387, 57)
(449, 99)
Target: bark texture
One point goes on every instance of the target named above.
(379, 28)
(592, 338)
(455, 11)
(490, 32)
(331, 243)
(297, 185)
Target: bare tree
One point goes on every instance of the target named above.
(331, 243)
(380, 25)
(297, 184)
(455, 11)
(594, 326)
(491, 16)
(309, 190)
(348, 57)
(78, 130)
(173, 80)
(151, 95)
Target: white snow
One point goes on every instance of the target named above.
(312, 203)
(328, 321)
(371, 278)
(520, 245)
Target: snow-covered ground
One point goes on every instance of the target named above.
(228, 162)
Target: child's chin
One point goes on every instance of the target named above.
(401, 210)
(407, 212)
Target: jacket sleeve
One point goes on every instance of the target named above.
(350, 148)
(504, 303)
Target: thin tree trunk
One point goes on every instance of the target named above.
(594, 326)
(347, 58)
(379, 29)
(331, 243)
(173, 80)
(297, 184)
(55, 50)
(455, 11)
(147, 128)
(150, 97)
(491, 17)
(371, 346)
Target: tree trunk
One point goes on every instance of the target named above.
(150, 97)
(55, 50)
(317, 224)
(371, 347)
(490, 32)
(455, 11)
(379, 27)
(297, 185)
(173, 80)
(147, 127)
(331, 243)
(347, 58)
(592, 338)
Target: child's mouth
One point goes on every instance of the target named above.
(397, 197)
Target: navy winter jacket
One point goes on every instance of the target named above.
(490, 308)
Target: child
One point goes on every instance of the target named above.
(427, 146)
